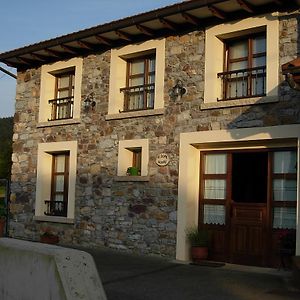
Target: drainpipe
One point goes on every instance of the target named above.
(8, 73)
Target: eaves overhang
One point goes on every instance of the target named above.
(175, 19)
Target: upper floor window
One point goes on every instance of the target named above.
(242, 62)
(60, 95)
(137, 77)
(245, 67)
(140, 84)
(62, 104)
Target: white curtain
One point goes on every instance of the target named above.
(285, 162)
(214, 214)
(284, 190)
(284, 217)
(215, 164)
(214, 189)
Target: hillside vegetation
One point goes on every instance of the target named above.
(6, 133)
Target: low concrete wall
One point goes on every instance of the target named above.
(34, 271)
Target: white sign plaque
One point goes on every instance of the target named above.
(162, 159)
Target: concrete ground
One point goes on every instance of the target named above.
(127, 276)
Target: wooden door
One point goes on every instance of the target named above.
(248, 233)
(248, 208)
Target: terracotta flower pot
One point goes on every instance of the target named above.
(49, 239)
(199, 253)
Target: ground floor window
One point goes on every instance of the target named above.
(56, 181)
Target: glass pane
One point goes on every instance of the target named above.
(238, 66)
(59, 183)
(259, 44)
(284, 190)
(59, 198)
(63, 94)
(284, 217)
(214, 214)
(259, 61)
(60, 163)
(137, 67)
(151, 78)
(285, 162)
(136, 81)
(152, 65)
(214, 189)
(238, 49)
(215, 164)
(63, 81)
(258, 86)
(237, 88)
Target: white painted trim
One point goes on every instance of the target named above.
(214, 52)
(48, 87)
(125, 156)
(189, 168)
(43, 184)
(117, 77)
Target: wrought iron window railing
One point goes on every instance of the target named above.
(61, 108)
(244, 83)
(138, 97)
(56, 208)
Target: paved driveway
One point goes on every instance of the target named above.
(127, 276)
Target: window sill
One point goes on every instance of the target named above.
(54, 219)
(58, 123)
(135, 114)
(131, 178)
(239, 102)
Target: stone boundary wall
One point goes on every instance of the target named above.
(34, 271)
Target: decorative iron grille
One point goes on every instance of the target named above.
(243, 83)
(61, 108)
(138, 97)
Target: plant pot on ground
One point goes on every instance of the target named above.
(49, 238)
(199, 241)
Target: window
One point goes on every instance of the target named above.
(245, 67)
(60, 97)
(56, 178)
(242, 62)
(133, 157)
(57, 206)
(137, 80)
(284, 187)
(62, 104)
(140, 84)
(135, 168)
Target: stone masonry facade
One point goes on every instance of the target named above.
(134, 216)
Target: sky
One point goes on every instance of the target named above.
(26, 22)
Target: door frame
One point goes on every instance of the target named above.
(192, 143)
(267, 228)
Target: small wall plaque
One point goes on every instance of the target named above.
(162, 159)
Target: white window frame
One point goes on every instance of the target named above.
(214, 59)
(47, 90)
(125, 156)
(117, 80)
(44, 176)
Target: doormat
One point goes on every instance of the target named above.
(206, 263)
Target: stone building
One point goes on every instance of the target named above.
(129, 132)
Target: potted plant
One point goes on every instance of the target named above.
(199, 241)
(49, 238)
(2, 216)
(132, 171)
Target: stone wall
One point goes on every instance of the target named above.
(134, 216)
